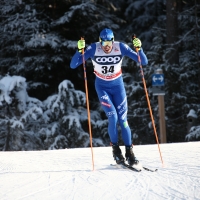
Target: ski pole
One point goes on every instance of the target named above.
(148, 101)
(87, 102)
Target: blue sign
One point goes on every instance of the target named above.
(158, 80)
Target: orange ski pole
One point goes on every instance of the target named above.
(148, 101)
(88, 109)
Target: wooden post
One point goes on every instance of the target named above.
(161, 113)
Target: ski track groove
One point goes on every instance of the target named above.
(135, 178)
(147, 188)
(109, 185)
(172, 182)
(106, 190)
(21, 185)
(59, 175)
(73, 190)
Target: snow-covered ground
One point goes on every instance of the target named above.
(67, 174)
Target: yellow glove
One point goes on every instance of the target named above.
(81, 45)
(137, 43)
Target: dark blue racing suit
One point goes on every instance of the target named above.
(109, 84)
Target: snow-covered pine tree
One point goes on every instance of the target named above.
(192, 127)
(18, 114)
(30, 48)
(141, 16)
(66, 117)
(59, 122)
(194, 134)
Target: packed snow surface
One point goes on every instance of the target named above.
(68, 174)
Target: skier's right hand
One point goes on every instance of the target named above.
(137, 43)
(81, 45)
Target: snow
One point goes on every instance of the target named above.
(8, 84)
(192, 114)
(67, 174)
(194, 133)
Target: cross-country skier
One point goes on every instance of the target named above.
(106, 56)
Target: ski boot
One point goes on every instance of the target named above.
(130, 157)
(117, 154)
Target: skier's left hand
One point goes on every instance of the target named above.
(137, 43)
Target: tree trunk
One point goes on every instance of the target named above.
(6, 148)
(172, 7)
(196, 38)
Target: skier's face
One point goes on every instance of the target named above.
(106, 49)
(107, 46)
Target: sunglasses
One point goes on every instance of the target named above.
(107, 43)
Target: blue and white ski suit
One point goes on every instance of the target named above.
(109, 84)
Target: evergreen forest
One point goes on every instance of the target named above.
(43, 101)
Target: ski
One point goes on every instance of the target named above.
(150, 170)
(131, 167)
(124, 165)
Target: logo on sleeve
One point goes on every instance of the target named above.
(105, 97)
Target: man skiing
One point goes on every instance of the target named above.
(106, 56)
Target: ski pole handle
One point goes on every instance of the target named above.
(133, 37)
(82, 38)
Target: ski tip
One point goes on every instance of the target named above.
(151, 170)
